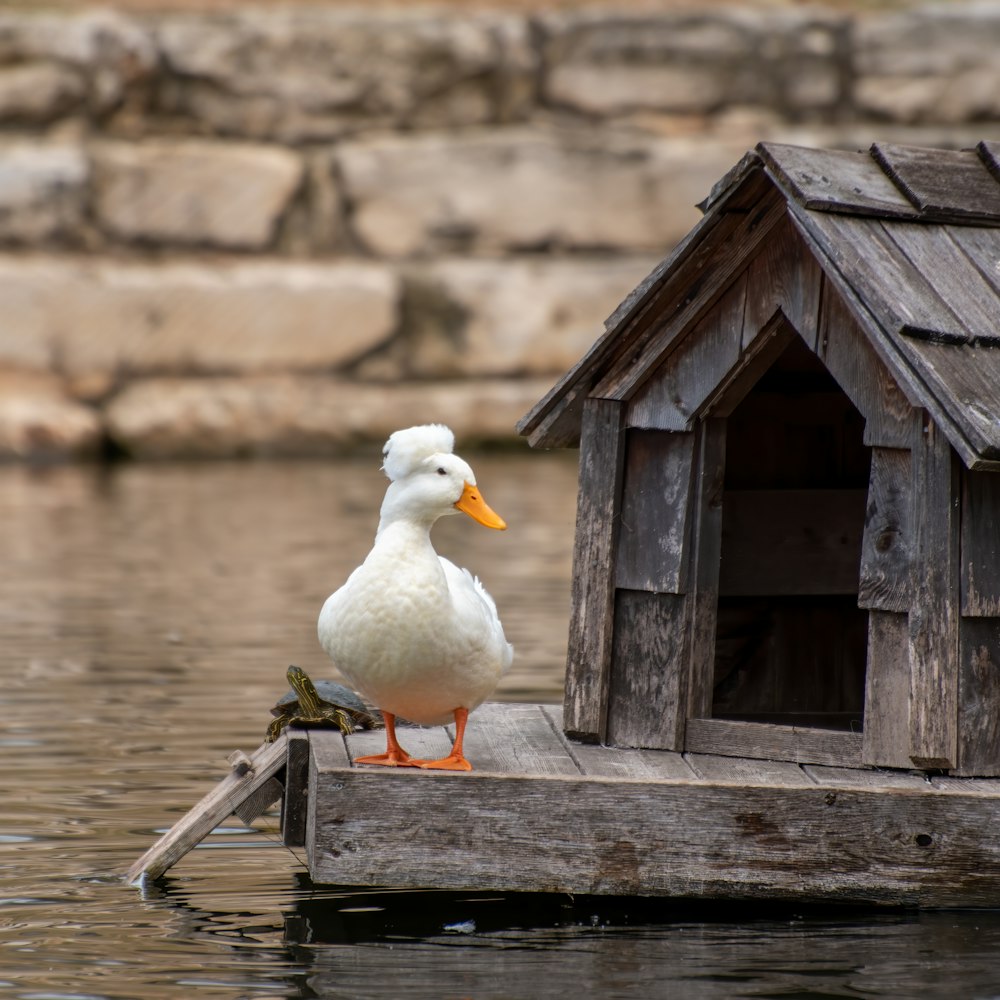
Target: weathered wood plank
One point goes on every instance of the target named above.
(516, 739)
(860, 372)
(945, 378)
(933, 619)
(836, 181)
(735, 739)
(979, 697)
(723, 769)
(787, 542)
(876, 268)
(681, 285)
(954, 277)
(844, 268)
(885, 548)
(982, 247)
(295, 803)
(431, 743)
(990, 154)
(761, 353)
(742, 837)
(626, 764)
(257, 803)
(984, 787)
(203, 817)
(653, 540)
(602, 455)
(784, 278)
(560, 427)
(703, 599)
(965, 377)
(648, 697)
(980, 558)
(684, 303)
(850, 777)
(672, 395)
(887, 691)
(950, 184)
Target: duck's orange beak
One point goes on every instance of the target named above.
(471, 503)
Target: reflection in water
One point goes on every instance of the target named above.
(147, 615)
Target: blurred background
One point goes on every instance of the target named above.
(290, 229)
(285, 230)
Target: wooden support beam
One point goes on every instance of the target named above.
(734, 738)
(933, 620)
(980, 562)
(295, 802)
(706, 545)
(242, 782)
(602, 454)
(979, 697)
(752, 837)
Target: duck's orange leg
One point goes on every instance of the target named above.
(455, 761)
(395, 755)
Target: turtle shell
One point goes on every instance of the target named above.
(331, 691)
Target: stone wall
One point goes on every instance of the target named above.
(286, 231)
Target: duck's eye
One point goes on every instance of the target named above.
(442, 472)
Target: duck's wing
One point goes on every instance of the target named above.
(476, 611)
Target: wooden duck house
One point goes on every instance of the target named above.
(788, 528)
(786, 590)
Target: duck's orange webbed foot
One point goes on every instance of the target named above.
(395, 755)
(455, 761)
(389, 759)
(450, 763)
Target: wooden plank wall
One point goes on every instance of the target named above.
(653, 540)
(649, 528)
(885, 583)
(886, 737)
(648, 694)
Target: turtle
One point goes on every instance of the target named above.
(323, 704)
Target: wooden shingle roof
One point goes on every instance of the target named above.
(909, 237)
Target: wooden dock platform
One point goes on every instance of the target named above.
(541, 812)
(544, 813)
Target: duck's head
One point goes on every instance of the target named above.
(428, 481)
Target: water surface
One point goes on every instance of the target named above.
(147, 615)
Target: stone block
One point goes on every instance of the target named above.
(307, 75)
(101, 320)
(43, 187)
(691, 62)
(303, 414)
(528, 189)
(38, 93)
(105, 48)
(224, 195)
(936, 64)
(38, 420)
(514, 317)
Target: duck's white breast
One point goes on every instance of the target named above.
(414, 635)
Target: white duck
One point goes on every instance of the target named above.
(416, 635)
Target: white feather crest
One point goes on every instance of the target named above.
(406, 449)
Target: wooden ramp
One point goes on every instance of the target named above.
(542, 813)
